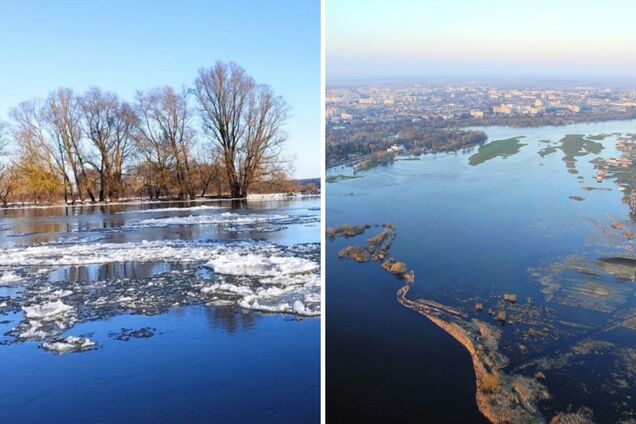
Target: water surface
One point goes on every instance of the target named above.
(523, 216)
(193, 312)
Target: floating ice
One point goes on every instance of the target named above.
(69, 344)
(226, 287)
(163, 210)
(47, 311)
(298, 294)
(101, 253)
(222, 218)
(248, 274)
(9, 277)
(45, 320)
(257, 265)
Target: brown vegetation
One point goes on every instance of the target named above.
(511, 298)
(355, 253)
(244, 120)
(346, 230)
(379, 245)
(490, 382)
(399, 269)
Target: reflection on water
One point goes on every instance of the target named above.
(232, 322)
(161, 333)
(110, 271)
(476, 234)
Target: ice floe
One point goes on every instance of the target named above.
(9, 278)
(253, 275)
(47, 311)
(173, 209)
(102, 253)
(41, 321)
(69, 344)
(258, 265)
(221, 218)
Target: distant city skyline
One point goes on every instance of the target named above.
(497, 39)
(125, 46)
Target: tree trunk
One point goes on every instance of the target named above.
(235, 190)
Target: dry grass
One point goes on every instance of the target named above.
(355, 253)
(346, 230)
(399, 268)
(512, 298)
(490, 382)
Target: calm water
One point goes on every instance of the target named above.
(176, 338)
(472, 230)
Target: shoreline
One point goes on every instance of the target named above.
(249, 198)
(501, 397)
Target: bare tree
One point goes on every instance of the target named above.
(63, 115)
(244, 120)
(7, 174)
(210, 171)
(108, 125)
(165, 136)
(41, 154)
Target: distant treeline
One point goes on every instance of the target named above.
(222, 137)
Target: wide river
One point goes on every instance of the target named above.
(522, 215)
(161, 312)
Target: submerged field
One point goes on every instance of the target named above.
(105, 298)
(536, 289)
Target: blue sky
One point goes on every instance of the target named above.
(470, 38)
(128, 45)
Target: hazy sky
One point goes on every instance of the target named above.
(128, 45)
(494, 38)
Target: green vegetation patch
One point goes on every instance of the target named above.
(336, 178)
(575, 145)
(547, 150)
(599, 137)
(497, 148)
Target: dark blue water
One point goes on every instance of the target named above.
(470, 233)
(202, 364)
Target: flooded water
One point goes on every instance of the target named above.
(161, 312)
(524, 215)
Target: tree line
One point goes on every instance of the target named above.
(224, 137)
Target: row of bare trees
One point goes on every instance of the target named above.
(222, 137)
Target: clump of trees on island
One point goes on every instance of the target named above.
(222, 137)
